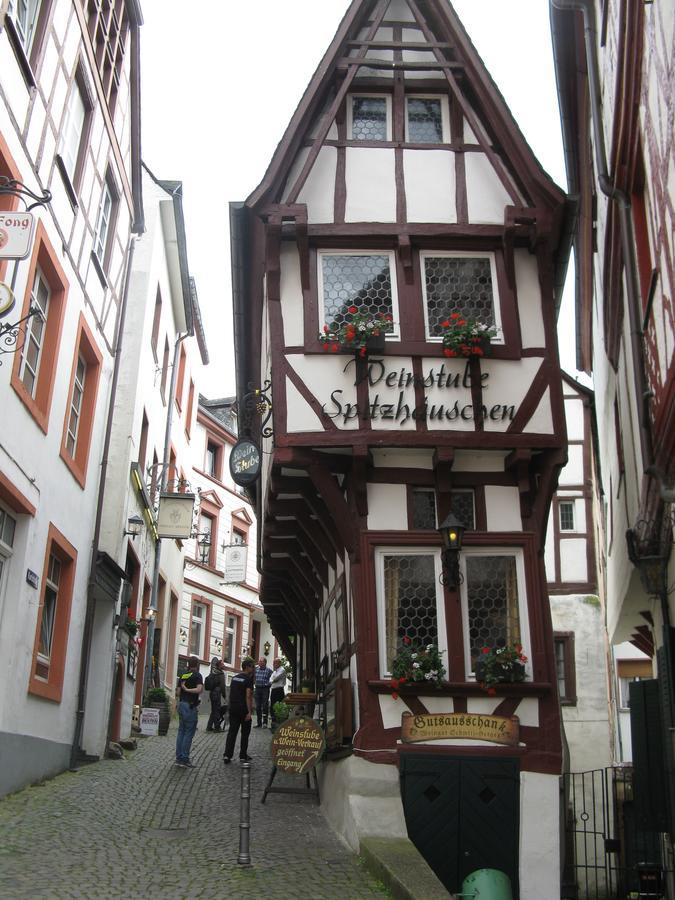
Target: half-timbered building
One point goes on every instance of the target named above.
(404, 199)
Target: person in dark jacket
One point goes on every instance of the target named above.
(217, 694)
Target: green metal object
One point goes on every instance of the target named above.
(487, 884)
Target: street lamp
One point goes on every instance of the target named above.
(134, 526)
(204, 544)
(452, 532)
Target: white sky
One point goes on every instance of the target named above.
(220, 84)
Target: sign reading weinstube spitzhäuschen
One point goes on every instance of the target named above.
(245, 462)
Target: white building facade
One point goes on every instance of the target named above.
(69, 125)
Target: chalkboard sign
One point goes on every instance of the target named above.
(297, 746)
(245, 462)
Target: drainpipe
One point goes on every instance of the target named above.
(91, 600)
(625, 219)
(150, 633)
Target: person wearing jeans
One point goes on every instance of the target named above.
(191, 685)
(241, 712)
(263, 673)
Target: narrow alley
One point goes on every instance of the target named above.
(142, 827)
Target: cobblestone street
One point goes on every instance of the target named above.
(142, 827)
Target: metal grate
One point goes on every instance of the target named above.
(492, 591)
(369, 119)
(363, 281)
(425, 125)
(458, 284)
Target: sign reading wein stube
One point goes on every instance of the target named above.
(436, 726)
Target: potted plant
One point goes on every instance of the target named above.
(361, 331)
(416, 665)
(157, 698)
(130, 626)
(463, 336)
(281, 711)
(500, 665)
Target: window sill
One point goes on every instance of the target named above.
(465, 689)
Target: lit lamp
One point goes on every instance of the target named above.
(150, 615)
(204, 544)
(266, 648)
(452, 532)
(134, 526)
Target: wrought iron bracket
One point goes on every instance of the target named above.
(10, 334)
(14, 188)
(256, 403)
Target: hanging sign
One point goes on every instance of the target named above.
(297, 746)
(174, 519)
(245, 462)
(235, 563)
(16, 233)
(435, 726)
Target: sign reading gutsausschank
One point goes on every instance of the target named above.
(436, 726)
(245, 462)
(297, 746)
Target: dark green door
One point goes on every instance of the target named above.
(462, 814)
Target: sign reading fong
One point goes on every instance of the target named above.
(435, 726)
(16, 233)
(297, 746)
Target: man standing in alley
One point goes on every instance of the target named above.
(241, 712)
(277, 685)
(263, 673)
(190, 687)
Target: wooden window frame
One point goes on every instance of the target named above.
(102, 261)
(85, 346)
(39, 405)
(374, 95)
(567, 502)
(445, 118)
(241, 523)
(28, 58)
(566, 638)
(73, 180)
(211, 439)
(206, 625)
(51, 687)
(239, 637)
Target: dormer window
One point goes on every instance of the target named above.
(459, 282)
(365, 281)
(425, 120)
(369, 118)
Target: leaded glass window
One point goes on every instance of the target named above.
(369, 119)
(423, 508)
(491, 602)
(566, 508)
(361, 280)
(425, 121)
(408, 594)
(462, 284)
(462, 506)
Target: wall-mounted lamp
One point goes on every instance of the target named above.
(149, 615)
(452, 532)
(266, 648)
(204, 544)
(134, 526)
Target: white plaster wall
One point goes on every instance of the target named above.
(299, 414)
(529, 300)
(371, 185)
(387, 507)
(430, 185)
(486, 195)
(323, 375)
(573, 473)
(539, 836)
(471, 461)
(318, 191)
(503, 508)
(574, 418)
(507, 385)
(573, 565)
(406, 458)
(291, 295)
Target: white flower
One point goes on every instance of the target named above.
(430, 647)
(413, 656)
(362, 327)
(428, 676)
(416, 665)
(434, 672)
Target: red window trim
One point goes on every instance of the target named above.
(212, 511)
(52, 688)
(85, 345)
(230, 611)
(7, 203)
(198, 598)
(39, 406)
(12, 496)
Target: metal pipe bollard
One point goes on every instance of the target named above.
(244, 858)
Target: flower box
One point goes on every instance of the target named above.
(360, 332)
(466, 337)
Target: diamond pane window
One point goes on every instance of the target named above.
(362, 280)
(423, 508)
(369, 118)
(460, 284)
(425, 123)
(410, 595)
(491, 588)
(461, 506)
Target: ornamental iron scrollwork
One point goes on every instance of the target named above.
(13, 337)
(256, 403)
(14, 188)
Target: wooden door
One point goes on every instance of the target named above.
(462, 814)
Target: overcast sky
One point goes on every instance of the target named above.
(221, 82)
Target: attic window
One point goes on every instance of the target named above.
(369, 118)
(424, 120)
(459, 282)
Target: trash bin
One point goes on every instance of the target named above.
(487, 884)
